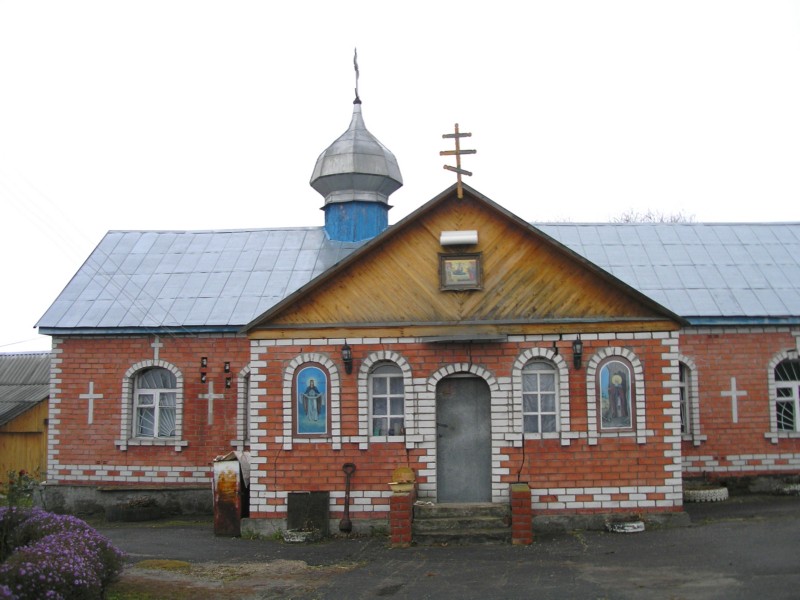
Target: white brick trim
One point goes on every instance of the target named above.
(563, 418)
(608, 498)
(779, 461)
(409, 400)
(638, 418)
(334, 437)
(243, 392)
(773, 435)
(126, 437)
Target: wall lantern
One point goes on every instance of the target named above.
(577, 352)
(347, 358)
(228, 382)
(203, 377)
(227, 367)
(203, 362)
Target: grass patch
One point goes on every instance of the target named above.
(162, 564)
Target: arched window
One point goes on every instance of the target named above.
(386, 400)
(787, 399)
(154, 403)
(539, 397)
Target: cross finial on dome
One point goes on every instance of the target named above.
(355, 65)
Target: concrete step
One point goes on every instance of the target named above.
(461, 524)
(463, 538)
(424, 510)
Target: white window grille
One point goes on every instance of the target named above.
(387, 400)
(154, 404)
(539, 398)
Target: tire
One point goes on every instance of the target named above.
(626, 527)
(706, 495)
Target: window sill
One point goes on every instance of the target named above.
(387, 438)
(774, 436)
(178, 444)
(696, 440)
(550, 435)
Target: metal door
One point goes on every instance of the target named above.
(464, 448)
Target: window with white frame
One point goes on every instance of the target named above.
(539, 398)
(685, 391)
(154, 403)
(387, 400)
(787, 400)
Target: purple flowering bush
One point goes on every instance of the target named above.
(54, 556)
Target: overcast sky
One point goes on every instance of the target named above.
(210, 115)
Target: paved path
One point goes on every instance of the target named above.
(747, 547)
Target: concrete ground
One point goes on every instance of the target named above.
(746, 547)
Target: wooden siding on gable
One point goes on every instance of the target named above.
(527, 279)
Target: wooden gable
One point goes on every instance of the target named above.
(530, 282)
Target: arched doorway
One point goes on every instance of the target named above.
(464, 440)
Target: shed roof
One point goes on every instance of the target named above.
(24, 382)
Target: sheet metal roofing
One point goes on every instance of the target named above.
(218, 280)
(24, 382)
(701, 271)
(190, 279)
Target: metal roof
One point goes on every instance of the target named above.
(198, 280)
(24, 382)
(701, 271)
(222, 280)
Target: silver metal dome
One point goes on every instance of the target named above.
(356, 167)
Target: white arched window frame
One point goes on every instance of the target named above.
(784, 396)
(334, 436)
(384, 369)
(560, 370)
(638, 412)
(244, 400)
(135, 403)
(689, 398)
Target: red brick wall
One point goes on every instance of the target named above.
(741, 448)
(81, 453)
(574, 474)
(621, 471)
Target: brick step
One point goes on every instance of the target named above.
(461, 524)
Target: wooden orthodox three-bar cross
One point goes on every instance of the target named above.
(457, 153)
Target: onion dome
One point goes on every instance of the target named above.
(356, 174)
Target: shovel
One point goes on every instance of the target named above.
(345, 525)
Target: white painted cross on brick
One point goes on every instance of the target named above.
(156, 345)
(734, 395)
(211, 396)
(91, 397)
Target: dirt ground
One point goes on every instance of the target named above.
(179, 580)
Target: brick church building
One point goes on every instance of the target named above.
(597, 364)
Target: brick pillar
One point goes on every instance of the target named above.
(401, 513)
(521, 515)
